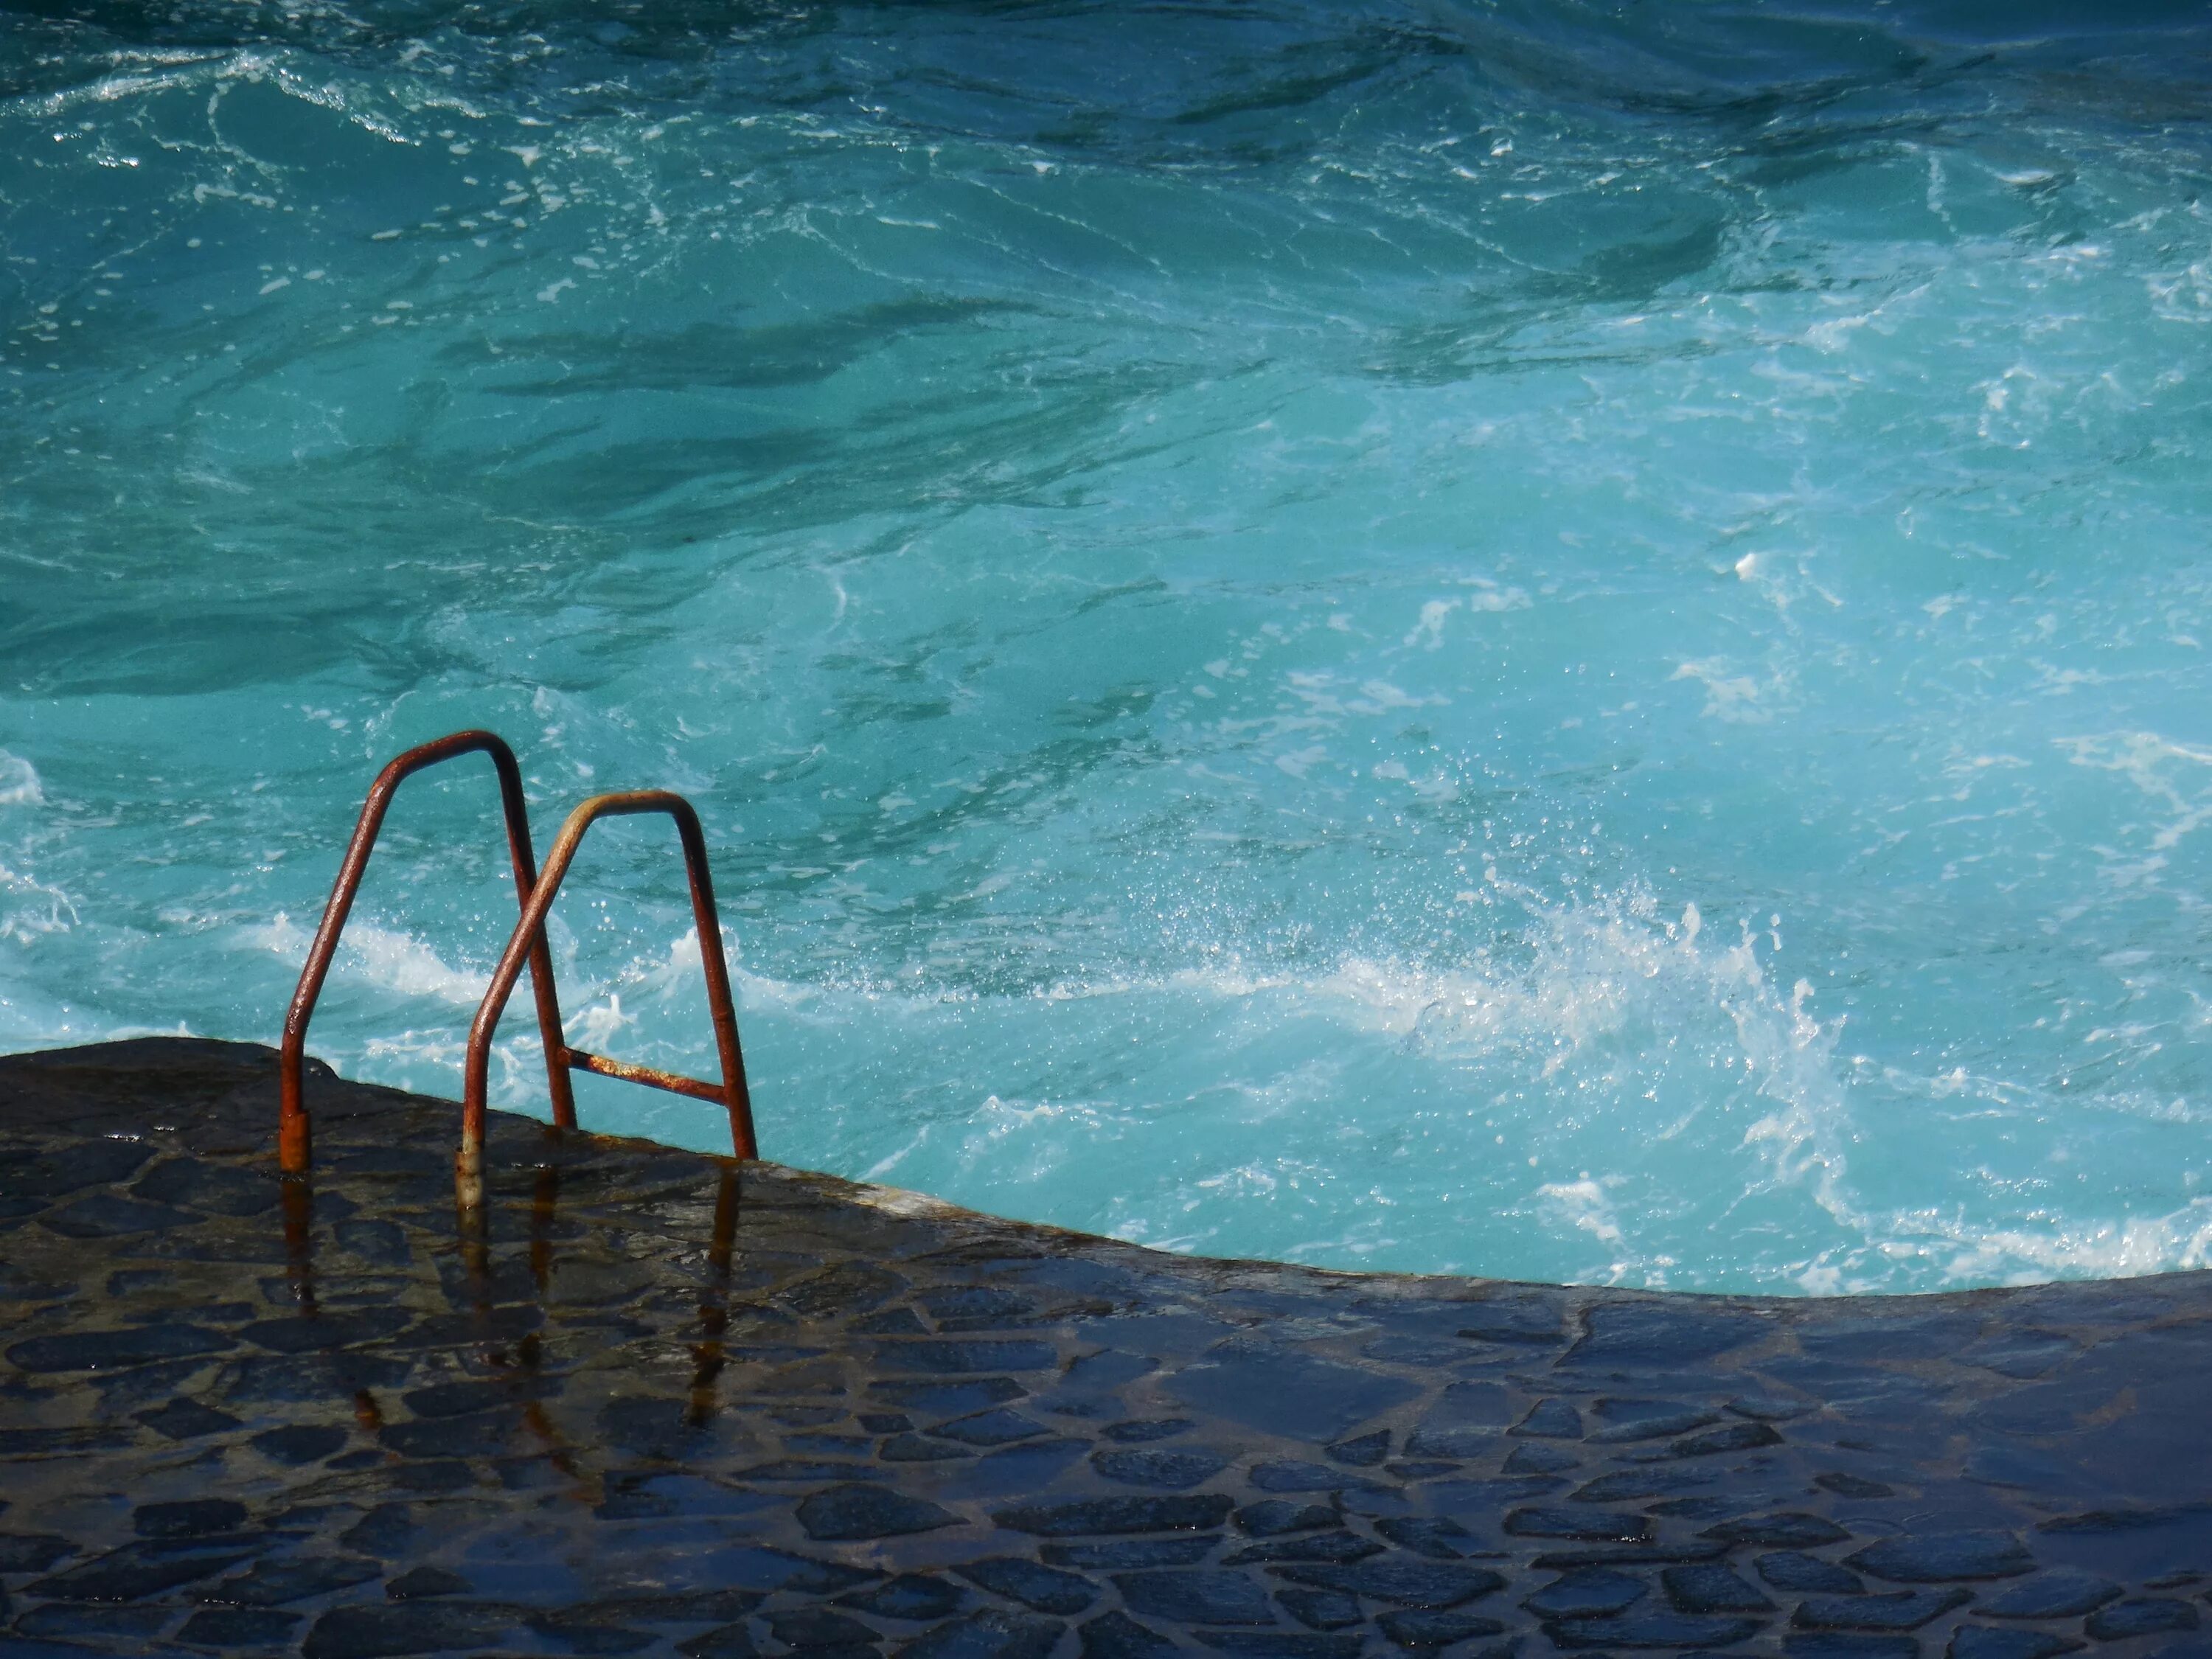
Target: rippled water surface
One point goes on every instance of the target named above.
(1543, 638)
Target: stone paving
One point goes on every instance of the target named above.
(667, 1406)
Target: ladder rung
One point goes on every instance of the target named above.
(583, 1060)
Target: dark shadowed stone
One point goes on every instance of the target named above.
(51, 1174)
(1438, 1537)
(2020, 1353)
(1845, 1485)
(1661, 1335)
(1173, 1471)
(1196, 1597)
(1408, 1581)
(1652, 1627)
(1935, 1557)
(1712, 1589)
(891, 1321)
(992, 1428)
(1576, 1523)
(1630, 1485)
(962, 1359)
(1994, 1642)
(650, 1427)
(1541, 1460)
(385, 1530)
(975, 1302)
(1280, 1391)
(1279, 1644)
(949, 1399)
(422, 1582)
(1045, 1590)
(1310, 1477)
(1116, 1635)
(2061, 1593)
(1100, 1516)
(856, 1511)
(1132, 1553)
(914, 1448)
(185, 1419)
(2141, 1615)
(1729, 1437)
(1550, 1419)
(364, 1631)
(140, 1345)
(457, 1399)
(1789, 1530)
(271, 1583)
(848, 1288)
(238, 1627)
(1309, 1546)
(105, 1215)
(1839, 1644)
(911, 1596)
(1143, 1429)
(1791, 1570)
(1364, 1452)
(727, 1641)
(1320, 1609)
(22, 1551)
(192, 1518)
(1586, 1593)
(222, 1189)
(1625, 1422)
(1428, 1628)
(141, 1570)
(1531, 1318)
(1271, 1517)
(300, 1442)
(1898, 1610)
(818, 1627)
(992, 1633)
(336, 1330)
(383, 1243)
(886, 1422)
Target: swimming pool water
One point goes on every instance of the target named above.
(1565, 640)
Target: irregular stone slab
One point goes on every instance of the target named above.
(1279, 1644)
(1116, 1635)
(1587, 1592)
(238, 1627)
(852, 1512)
(1651, 1627)
(1550, 1419)
(32, 1551)
(271, 1583)
(849, 1288)
(1526, 1317)
(1792, 1531)
(1146, 1429)
(1576, 1523)
(914, 1449)
(991, 1428)
(334, 1330)
(141, 1570)
(948, 1399)
(819, 1627)
(1661, 1335)
(141, 1345)
(2141, 1615)
(1791, 1569)
(1044, 1589)
(105, 1215)
(2059, 1593)
(51, 1172)
(1628, 1486)
(1173, 1471)
(299, 1443)
(1103, 1517)
(1625, 1422)
(1845, 1485)
(1407, 1581)
(1271, 1517)
(1935, 1558)
(1310, 1547)
(221, 1189)
(1427, 1628)
(1132, 1553)
(1281, 1391)
(1310, 1477)
(1541, 1460)
(1838, 1645)
(191, 1517)
(424, 1582)
(1363, 1453)
(1898, 1610)
(1319, 1609)
(1438, 1537)
(367, 1631)
(1712, 1588)
(1195, 1597)
(962, 1359)
(1994, 1642)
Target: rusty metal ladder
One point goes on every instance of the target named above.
(535, 891)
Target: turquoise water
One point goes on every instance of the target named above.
(1560, 640)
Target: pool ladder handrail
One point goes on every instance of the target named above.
(534, 894)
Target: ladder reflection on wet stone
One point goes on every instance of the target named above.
(535, 891)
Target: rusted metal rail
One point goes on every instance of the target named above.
(731, 1092)
(525, 947)
(294, 1145)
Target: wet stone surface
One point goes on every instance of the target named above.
(663, 1406)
